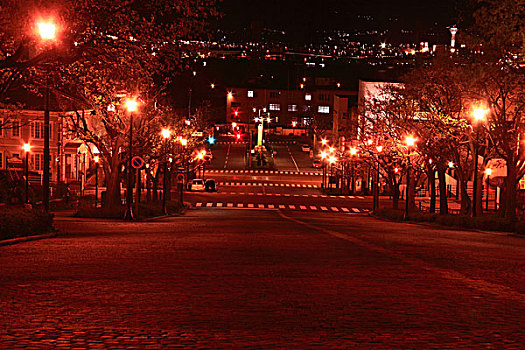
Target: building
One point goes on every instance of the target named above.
(297, 108)
(27, 126)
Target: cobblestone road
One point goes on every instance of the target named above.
(260, 280)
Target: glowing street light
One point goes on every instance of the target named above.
(184, 142)
(479, 113)
(379, 149)
(96, 159)
(131, 106)
(294, 123)
(166, 133)
(353, 151)
(410, 141)
(488, 171)
(324, 141)
(332, 159)
(234, 125)
(46, 30)
(323, 155)
(331, 149)
(27, 148)
(451, 164)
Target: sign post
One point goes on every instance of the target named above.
(180, 181)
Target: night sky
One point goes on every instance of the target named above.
(340, 14)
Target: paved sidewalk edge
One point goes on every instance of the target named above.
(27, 239)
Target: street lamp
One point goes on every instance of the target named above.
(46, 31)
(375, 201)
(96, 159)
(166, 133)
(479, 114)
(410, 142)
(27, 149)
(488, 172)
(353, 153)
(324, 155)
(131, 106)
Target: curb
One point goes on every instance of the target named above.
(27, 239)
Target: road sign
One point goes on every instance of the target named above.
(180, 169)
(137, 162)
(180, 178)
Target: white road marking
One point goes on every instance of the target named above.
(355, 210)
(291, 206)
(281, 206)
(334, 209)
(240, 205)
(271, 206)
(302, 207)
(324, 208)
(229, 205)
(227, 156)
(345, 210)
(250, 205)
(209, 204)
(261, 205)
(313, 207)
(219, 204)
(198, 204)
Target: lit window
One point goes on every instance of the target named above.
(15, 128)
(38, 161)
(308, 97)
(323, 109)
(292, 108)
(37, 130)
(275, 107)
(250, 93)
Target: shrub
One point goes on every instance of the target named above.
(146, 210)
(20, 222)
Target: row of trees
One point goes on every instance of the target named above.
(436, 103)
(102, 53)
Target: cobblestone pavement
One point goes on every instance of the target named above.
(262, 280)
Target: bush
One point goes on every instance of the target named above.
(21, 222)
(146, 210)
(489, 223)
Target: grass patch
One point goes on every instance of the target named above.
(21, 222)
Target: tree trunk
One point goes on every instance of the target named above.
(395, 195)
(432, 187)
(511, 192)
(112, 173)
(443, 201)
(466, 203)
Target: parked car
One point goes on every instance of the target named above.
(305, 148)
(317, 163)
(197, 185)
(211, 186)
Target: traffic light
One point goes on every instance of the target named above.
(238, 136)
(211, 140)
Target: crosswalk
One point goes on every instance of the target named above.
(301, 207)
(245, 142)
(269, 172)
(267, 184)
(286, 195)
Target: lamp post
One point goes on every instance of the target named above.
(323, 160)
(131, 106)
(479, 114)
(331, 159)
(379, 149)
(166, 133)
(183, 143)
(47, 32)
(410, 142)
(27, 149)
(488, 172)
(96, 159)
(353, 152)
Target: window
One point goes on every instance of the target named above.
(1, 160)
(15, 124)
(37, 130)
(16, 155)
(235, 104)
(275, 107)
(324, 97)
(308, 97)
(307, 108)
(1, 125)
(323, 109)
(38, 161)
(292, 108)
(250, 93)
(275, 94)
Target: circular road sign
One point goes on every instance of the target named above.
(180, 178)
(137, 162)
